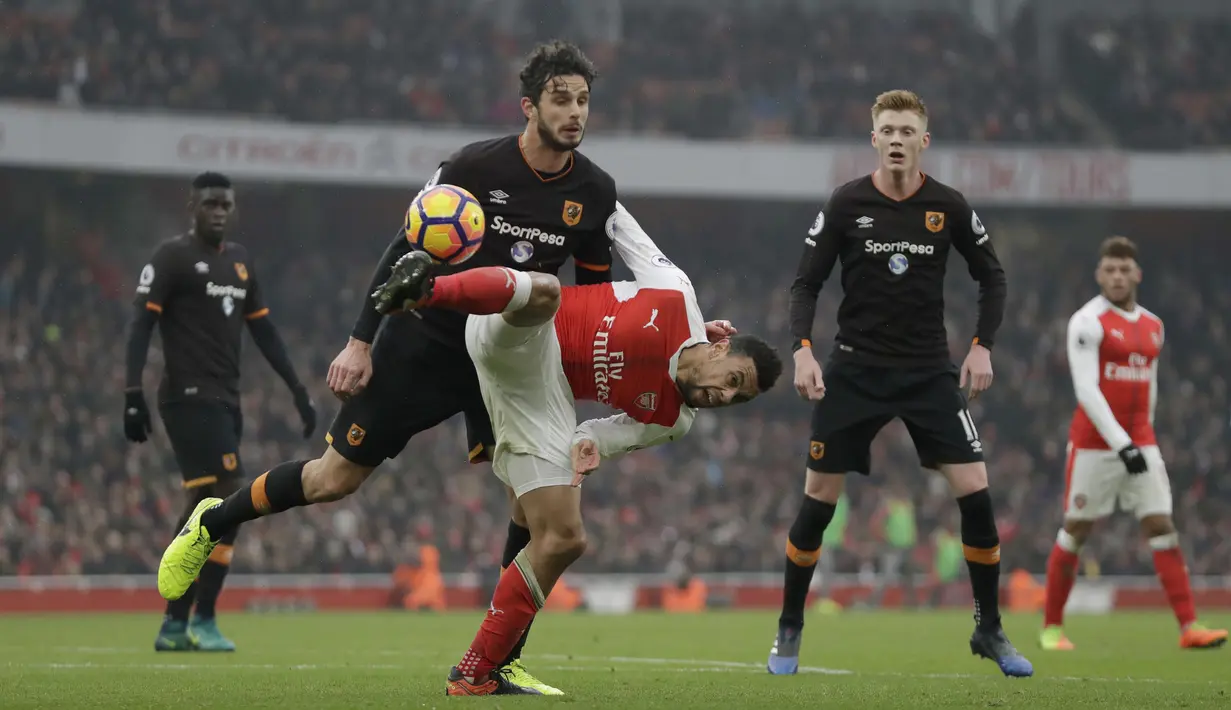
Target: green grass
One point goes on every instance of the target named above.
(715, 660)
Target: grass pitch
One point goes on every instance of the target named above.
(715, 660)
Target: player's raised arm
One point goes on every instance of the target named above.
(270, 343)
(972, 241)
(155, 287)
(1085, 333)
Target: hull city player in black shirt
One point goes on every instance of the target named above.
(200, 291)
(892, 231)
(544, 202)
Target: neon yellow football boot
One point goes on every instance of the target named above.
(186, 555)
(517, 674)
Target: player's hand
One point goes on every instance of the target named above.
(1133, 459)
(977, 370)
(585, 459)
(307, 410)
(717, 330)
(351, 370)
(137, 424)
(808, 380)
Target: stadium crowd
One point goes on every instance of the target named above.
(75, 497)
(801, 70)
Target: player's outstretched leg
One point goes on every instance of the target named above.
(981, 543)
(288, 485)
(803, 548)
(1173, 574)
(483, 290)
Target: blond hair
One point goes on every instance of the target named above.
(899, 100)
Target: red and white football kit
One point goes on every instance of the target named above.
(617, 343)
(1113, 357)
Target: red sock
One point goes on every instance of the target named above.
(480, 291)
(512, 609)
(1061, 574)
(1173, 573)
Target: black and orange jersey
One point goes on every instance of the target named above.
(894, 256)
(203, 296)
(535, 222)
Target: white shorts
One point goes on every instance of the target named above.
(1097, 478)
(528, 398)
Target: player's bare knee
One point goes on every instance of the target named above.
(965, 478)
(564, 543)
(544, 293)
(825, 487)
(1079, 530)
(1157, 525)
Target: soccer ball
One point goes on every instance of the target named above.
(447, 223)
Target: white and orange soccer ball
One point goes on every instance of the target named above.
(446, 222)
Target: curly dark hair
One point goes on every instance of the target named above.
(763, 355)
(550, 60)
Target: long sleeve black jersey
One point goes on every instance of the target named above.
(893, 257)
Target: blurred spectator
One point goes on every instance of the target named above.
(76, 498)
(690, 69)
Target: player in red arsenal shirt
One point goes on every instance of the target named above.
(641, 347)
(1113, 348)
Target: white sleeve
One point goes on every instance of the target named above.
(1084, 336)
(651, 269)
(621, 433)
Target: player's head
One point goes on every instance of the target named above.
(731, 371)
(900, 130)
(212, 201)
(555, 94)
(1118, 273)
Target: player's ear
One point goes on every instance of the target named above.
(720, 348)
(927, 139)
(527, 107)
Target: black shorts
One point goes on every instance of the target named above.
(860, 400)
(205, 436)
(415, 385)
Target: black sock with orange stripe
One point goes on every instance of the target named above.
(803, 549)
(278, 489)
(214, 574)
(981, 543)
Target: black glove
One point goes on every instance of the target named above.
(137, 424)
(307, 411)
(1133, 459)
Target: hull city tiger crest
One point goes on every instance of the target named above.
(354, 435)
(572, 213)
(230, 462)
(935, 221)
(817, 451)
(241, 271)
